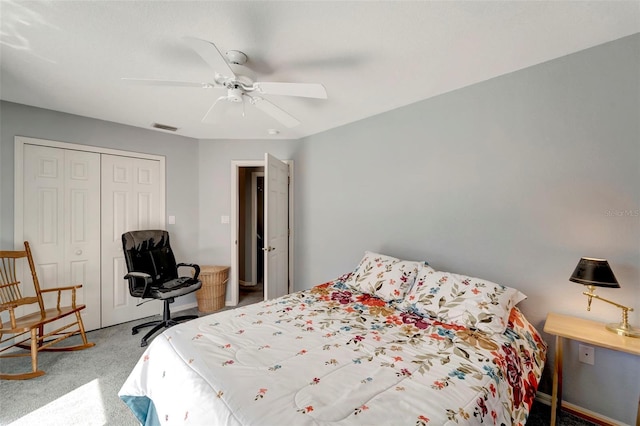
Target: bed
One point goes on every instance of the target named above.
(393, 342)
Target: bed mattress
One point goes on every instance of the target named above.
(331, 355)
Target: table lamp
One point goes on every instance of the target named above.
(597, 273)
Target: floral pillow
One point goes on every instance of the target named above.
(458, 299)
(385, 277)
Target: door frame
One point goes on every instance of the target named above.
(18, 170)
(234, 283)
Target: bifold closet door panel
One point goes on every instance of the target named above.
(61, 221)
(130, 201)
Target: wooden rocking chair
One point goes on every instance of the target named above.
(30, 327)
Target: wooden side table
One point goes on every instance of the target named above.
(592, 332)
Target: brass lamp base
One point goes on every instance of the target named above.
(623, 329)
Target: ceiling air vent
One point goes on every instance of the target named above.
(164, 127)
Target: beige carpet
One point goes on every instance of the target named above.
(81, 388)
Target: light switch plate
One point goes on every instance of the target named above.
(172, 220)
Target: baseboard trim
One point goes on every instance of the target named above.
(581, 412)
(184, 307)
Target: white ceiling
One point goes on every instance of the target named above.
(372, 57)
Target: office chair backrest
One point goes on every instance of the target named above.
(149, 251)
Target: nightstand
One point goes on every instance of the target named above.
(591, 332)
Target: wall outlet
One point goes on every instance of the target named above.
(586, 354)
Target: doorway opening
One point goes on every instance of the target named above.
(248, 231)
(250, 234)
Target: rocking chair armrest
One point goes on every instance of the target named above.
(17, 303)
(59, 290)
(9, 305)
(71, 287)
(191, 265)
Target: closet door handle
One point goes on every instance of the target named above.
(78, 252)
(268, 248)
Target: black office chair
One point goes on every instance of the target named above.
(153, 274)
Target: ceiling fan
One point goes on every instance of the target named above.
(239, 88)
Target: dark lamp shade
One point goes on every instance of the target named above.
(595, 272)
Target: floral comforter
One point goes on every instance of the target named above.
(330, 355)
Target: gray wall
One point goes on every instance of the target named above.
(181, 165)
(215, 185)
(511, 180)
(215, 190)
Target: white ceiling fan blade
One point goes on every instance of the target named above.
(307, 90)
(171, 83)
(210, 117)
(274, 111)
(212, 56)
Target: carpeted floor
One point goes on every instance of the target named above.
(541, 415)
(81, 388)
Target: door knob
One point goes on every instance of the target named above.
(78, 252)
(268, 248)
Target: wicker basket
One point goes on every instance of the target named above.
(211, 295)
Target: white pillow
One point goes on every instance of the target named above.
(462, 300)
(385, 277)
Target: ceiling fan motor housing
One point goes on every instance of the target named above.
(234, 95)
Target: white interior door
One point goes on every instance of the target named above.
(276, 227)
(130, 201)
(62, 222)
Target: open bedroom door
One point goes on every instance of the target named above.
(276, 227)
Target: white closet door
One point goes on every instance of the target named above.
(62, 222)
(130, 201)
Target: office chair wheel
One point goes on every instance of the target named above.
(135, 332)
(143, 343)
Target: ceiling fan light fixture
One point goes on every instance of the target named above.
(234, 95)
